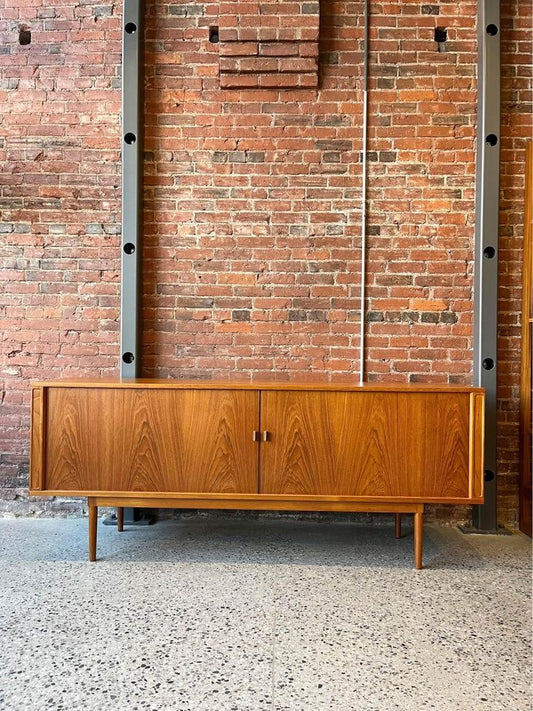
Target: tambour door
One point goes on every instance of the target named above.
(150, 440)
(372, 444)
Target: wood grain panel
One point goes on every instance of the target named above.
(340, 386)
(445, 441)
(297, 502)
(263, 503)
(404, 445)
(37, 452)
(151, 440)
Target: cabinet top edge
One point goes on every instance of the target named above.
(167, 384)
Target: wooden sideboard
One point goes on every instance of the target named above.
(258, 445)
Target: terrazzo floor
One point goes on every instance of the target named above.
(209, 614)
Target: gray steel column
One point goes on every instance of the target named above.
(132, 178)
(486, 242)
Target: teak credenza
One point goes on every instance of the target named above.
(270, 445)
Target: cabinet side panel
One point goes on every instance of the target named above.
(37, 439)
(477, 474)
(366, 444)
(152, 440)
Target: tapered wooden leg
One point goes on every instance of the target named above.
(398, 525)
(93, 519)
(120, 518)
(419, 524)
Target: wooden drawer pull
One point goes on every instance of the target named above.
(266, 435)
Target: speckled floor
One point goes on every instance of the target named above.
(208, 614)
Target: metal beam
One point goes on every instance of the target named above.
(486, 243)
(132, 179)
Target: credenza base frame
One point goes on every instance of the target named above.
(248, 504)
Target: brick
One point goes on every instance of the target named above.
(240, 315)
(430, 10)
(239, 81)
(280, 49)
(333, 145)
(238, 49)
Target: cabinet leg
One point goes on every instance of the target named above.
(120, 518)
(419, 524)
(398, 525)
(93, 519)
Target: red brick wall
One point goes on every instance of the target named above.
(252, 242)
(253, 204)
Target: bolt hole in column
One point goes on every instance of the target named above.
(488, 364)
(128, 357)
(489, 252)
(492, 30)
(130, 138)
(489, 475)
(129, 248)
(491, 139)
(130, 28)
